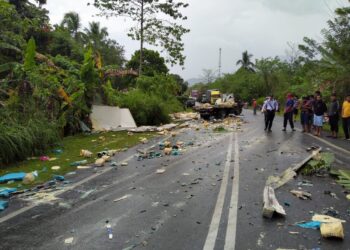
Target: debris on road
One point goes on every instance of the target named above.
(100, 162)
(124, 164)
(271, 204)
(5, 192)
(122, 198)
(334, 229)
(310, 225)
(160, 171)
(343, 177)
(85, 153)
(30, 177)
(12, 177)
(302, 194)
(78, 163)
(87, 193)
(69, 240)
(3, 205)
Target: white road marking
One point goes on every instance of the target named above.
(215, 221)
(230, 239)
(327, 142)
(24, 209)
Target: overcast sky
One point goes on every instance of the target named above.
(263, 27)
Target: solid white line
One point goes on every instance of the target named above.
(326, 142)
(215, 221)
(230, 239)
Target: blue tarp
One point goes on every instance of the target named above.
(5, 192)
(3, 205)
(12, 177)
(310, 225)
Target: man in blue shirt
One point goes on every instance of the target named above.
(269, 108)
(288, 113)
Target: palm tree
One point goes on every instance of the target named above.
(245, 62)
(95, 34)
(71, 21)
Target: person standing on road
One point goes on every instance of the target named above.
(255, 106)
(320, 109)
(305, 110)
(346, 117)
(333, 115)
(288, 113)
(269, 109)
(296, 108)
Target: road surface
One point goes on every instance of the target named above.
(210, 197)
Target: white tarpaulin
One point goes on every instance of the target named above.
(111, 118)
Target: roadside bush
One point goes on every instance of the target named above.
(21, 137)
(149, 109)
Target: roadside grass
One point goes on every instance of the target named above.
(71, 147)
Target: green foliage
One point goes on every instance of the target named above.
(22, 137)
(245, 62)
(155, 23)
(153, 63)
(29, 58)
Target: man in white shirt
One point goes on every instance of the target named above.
(269, 109)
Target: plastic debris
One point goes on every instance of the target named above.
(310, 225)
(124, 164)
(83, 167)
(12, 177)
(58, 177)
(30, 177)
(69, 240)
(160, 171)
(44, 158)
(326, 219)
(5, 192)
(3, 205)
(100, 162)
(107, 158)
(334, 229)
(85, 153)
(55, 168)
(301, 194)
(78, 163)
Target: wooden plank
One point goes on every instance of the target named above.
(271, 204)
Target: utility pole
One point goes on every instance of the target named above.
(220, 50)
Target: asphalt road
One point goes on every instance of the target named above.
(210, 197)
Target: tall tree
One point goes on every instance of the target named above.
(95, 34)
(208, 75)
(71, 21)
(155, 24)
(153, 63)
(246, 62)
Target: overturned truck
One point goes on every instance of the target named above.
(219, 110)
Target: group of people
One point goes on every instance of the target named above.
(314, 112)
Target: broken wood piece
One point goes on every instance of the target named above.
(298, 166)
(301, 194)
(271, 204)
(278, 181)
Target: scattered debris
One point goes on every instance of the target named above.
(271, 204)
(310, 225)
(69, 240)
(30, 177)
(3, 205)
(55, 168)
(160, 171)
(122, 198)
(85, 153)
(301, 194)
(83, 167)
(334, 229)
(320, 163)
(44, 158)
(305, 183)
(78, 163)
(124, 164)
(330, 211)
(12, 177)
(5, 192)
(100, 162)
